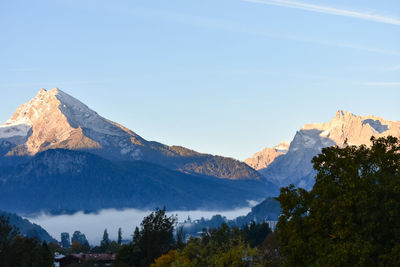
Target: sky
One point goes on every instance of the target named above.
(226, 77)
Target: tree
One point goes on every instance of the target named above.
(223, 246)
(79, 237)
(154, 238)
(119, 242)
(165, 260)
(77, 247)
(8, 233)
(105, 243)
(352, 214)
(17, 250)
(136, 236)
(255, 233)
(270, 251)
(156, 235)
(65, 240)
(180, 237)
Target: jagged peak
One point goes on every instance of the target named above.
(344, 114)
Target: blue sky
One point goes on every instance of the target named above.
(225, 77)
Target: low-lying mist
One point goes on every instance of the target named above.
(93, 225)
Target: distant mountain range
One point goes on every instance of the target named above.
(57, 154)
(293, 165)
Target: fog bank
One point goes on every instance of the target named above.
(93, 225)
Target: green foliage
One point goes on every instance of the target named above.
(270, 251)
(128, 255)
(255, 233)
(17, 250)
(153, 244)
(119, 241)
(77, 247)
(217, 247)
(154, 238)
(156, 235)
(351, 217)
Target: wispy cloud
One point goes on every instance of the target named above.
(382, 84)
(232, 26)
(329, 10)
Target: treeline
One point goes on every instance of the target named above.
(18, 250)
(79, 244)
(155, 244)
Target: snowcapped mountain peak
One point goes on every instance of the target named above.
(54, 119)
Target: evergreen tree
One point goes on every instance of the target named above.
(136, 236)
(105, 243)
(154, 238)
(119, 242)
(7, 235)
(156, 235)
(65, 240)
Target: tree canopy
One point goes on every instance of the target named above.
(18, 250)
(351, 217)
(155, 237)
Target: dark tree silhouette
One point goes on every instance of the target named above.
(351, 217)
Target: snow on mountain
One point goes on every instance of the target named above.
(294, 167)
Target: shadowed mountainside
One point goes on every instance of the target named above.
(72, 180)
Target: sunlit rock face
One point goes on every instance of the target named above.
(264, 158)
(294, 166)
(55, 120)
(357, 130)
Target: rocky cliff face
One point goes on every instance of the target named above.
(54, 119)
(295, 167)
(262, 159)
(357, 130)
